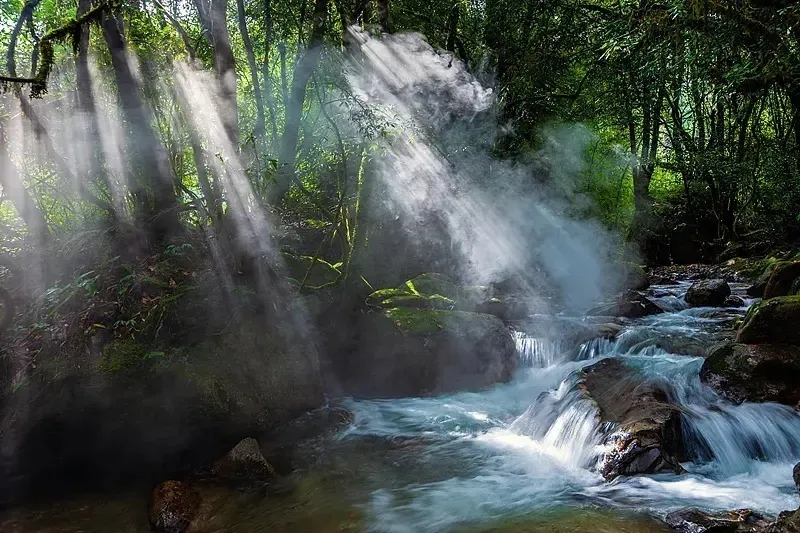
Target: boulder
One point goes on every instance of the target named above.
(796, 476)
(780, 281)
(795, 290)
(634, 277)
(173, 505)
(629, 304)
(734, 301)
(776, 320)
(754, 372)
(413, 352)
(437, 291)
(647, 430)
(244, 462)
(697, 521)
(161, 411)
(708, 293)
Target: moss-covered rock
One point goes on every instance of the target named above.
(780, 281)
(121, 356)
(413, 352)
(754, 372)
(634, 277)
(775, 321)
(437, 291)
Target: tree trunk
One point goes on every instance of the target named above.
(383, 15)
(261, 122)
(452, 26)
(14, 188)
(294, 107)
(149, 178)
(213, 19)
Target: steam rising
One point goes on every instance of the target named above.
(504, 219)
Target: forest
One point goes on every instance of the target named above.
(286, 221)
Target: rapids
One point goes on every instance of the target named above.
(531, 445)
(518, 453)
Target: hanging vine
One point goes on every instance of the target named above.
(68, 32)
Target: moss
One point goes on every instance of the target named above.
(415, 320)
(718, 360)
(122, 356)
(315, 271)
(772, 321)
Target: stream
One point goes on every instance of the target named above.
(517, 457)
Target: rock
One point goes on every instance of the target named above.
(708, 293)
(772, 321)
(244, 462)
(413, 352)
(795, 290)
(437, 291)
(754, 372)
(780, 281)
(647, 437)
(173, 505)
(734, 301)
(756, 290)
(796, 476)
(662, 280)
(787, 522)
(697, 521)
(634, 277)
(628, 304)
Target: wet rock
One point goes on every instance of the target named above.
(173, 505)
(648, 429)
(756, 290)
(772, 321)
(787, 522)
(781, 279)
(708, 293)
(629, 304)
(244, 462)
(634, 277)
(754, 372)
(569, 332)
(734, 301)
(413, 352)
(697, 521)
(796, 476)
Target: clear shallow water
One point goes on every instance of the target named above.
(518, 457)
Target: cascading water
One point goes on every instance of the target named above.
(533, 444)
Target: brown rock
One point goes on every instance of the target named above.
(173, 505)
(648, 429)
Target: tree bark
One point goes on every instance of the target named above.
(296, 100)
(383, 15)
(149, 178)
(213, 19)
(23, 202)
(261, 122)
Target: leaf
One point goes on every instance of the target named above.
(151, 355)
